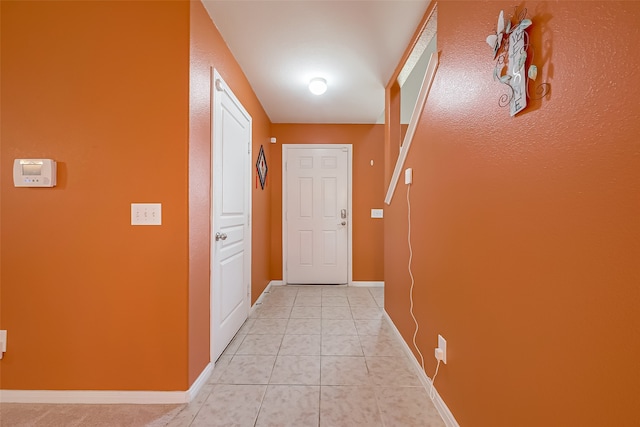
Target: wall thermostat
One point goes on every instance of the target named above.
(34, 173)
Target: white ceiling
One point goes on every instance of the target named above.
(355, 45)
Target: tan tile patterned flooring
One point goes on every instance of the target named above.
(318, 356)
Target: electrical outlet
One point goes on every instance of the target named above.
(146, 213)
(3, 342)
(441, 351)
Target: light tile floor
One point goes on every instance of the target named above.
(318, 356)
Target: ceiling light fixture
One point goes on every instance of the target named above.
(318, 86)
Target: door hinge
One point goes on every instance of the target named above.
(249, 147)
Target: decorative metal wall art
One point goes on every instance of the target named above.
(261, 169)
(510, 46)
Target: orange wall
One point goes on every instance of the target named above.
(526, 236)
(208, 50)
(368, 189)
(121, 89)
(89, 301)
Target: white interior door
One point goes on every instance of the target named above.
(316, 213)
(231, 232)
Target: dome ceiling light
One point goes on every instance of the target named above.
(318, 86)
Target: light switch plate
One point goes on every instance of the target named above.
(146, 213)
(377, 213)
(408, 176)
(442, 345)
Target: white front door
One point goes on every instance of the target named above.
(231, 231)
(316, 213)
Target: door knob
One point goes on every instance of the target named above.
(221, 236)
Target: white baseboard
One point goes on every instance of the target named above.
(442, 408)
(354, 283)
(258, 302)
(368, 284)
(108, 396)
(199, 382)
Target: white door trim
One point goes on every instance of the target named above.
(349, 148)
(219, 85)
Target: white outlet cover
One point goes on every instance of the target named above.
(442, 345)
(3, 341)
(377, 213)
(146, 213)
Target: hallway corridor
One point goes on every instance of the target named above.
(317, 356)
(314, 356)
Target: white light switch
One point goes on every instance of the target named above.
(376, 213)
(146, 213)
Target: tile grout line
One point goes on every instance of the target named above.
(321, 386)
(266, 388)
(255, 422)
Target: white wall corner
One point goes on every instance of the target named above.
(443, 409)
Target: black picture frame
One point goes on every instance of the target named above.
(262, 168)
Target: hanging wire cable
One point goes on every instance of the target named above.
(415, 333)
(432, 392)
